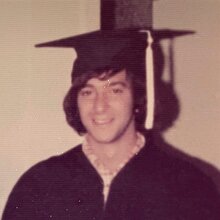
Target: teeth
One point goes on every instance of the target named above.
(101, 122)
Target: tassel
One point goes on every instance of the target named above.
(150, 92)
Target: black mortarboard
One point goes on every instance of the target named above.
(124, 35)
(100, 49)
(104, 48)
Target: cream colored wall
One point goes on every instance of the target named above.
(197, 69)
(33, 81)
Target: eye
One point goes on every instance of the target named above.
(86, 92)
(117, 90)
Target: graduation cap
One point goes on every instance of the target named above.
(125, 38)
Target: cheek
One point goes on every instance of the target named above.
(81, 103)
(81, 107)
(125, 105)
(129, 100)
(84, 108)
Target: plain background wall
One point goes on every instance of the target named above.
(34, 81)
(197, 71)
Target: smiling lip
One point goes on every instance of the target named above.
(102, 122)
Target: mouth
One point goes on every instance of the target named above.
(102, 121)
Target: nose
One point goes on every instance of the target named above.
(100, 103)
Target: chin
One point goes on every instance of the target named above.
(106, 137)
(103, 139)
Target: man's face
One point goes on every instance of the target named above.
(106, 108)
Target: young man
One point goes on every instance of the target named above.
(117, 172)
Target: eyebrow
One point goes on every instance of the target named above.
(87, 85)
(121, 83)
(124, 84)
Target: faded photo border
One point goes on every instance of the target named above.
(33, 81)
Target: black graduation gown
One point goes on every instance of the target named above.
(152, 186)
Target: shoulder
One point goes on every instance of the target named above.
(55, 166)
(43, 175)
(175, 166)
(179, 183)
(42, 182)
(178, 171)
(186, 182)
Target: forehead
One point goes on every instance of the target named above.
(103, 78)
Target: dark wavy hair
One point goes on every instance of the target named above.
(137, 79)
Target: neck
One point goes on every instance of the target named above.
(113, 152)
(118, 147)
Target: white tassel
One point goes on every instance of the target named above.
(149, 122)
